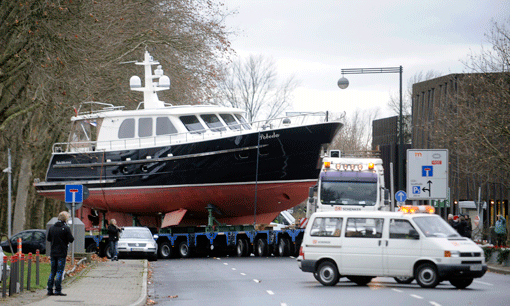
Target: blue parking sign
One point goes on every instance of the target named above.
(416, 189)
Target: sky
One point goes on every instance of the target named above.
(313, 40)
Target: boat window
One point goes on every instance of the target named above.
(192, 124)
(85, 130)
(144, 127)
(243, 121)
(127, 129)
(164, 126)
(213, 122)
(230, 121)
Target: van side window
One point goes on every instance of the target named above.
(399, 229)
(326, 227)
(364, 228)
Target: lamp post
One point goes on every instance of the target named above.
(343, 83)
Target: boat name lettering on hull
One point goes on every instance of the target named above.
(268, 136)
(63, 162)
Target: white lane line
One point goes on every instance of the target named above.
(256, 280)
(434, 303)
(283, 304)
(483, 283)
(243, 273)
(396, 290)
(233, 269)
(270, 292)
(218, 258)
(416, 296)
(225, 263)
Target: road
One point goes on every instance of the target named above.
(278, 281)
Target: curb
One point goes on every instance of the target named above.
(499, 270)
(143, 295)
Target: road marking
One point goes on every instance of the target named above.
(397, 290)
(283, 304)
(225, 263)
(256, 280)
(416, 296)
(243, 273)
(218, 258)
(434, 303)
(270, 292)
(483, 283)
(233, 269)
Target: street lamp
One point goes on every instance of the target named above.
(343, 83)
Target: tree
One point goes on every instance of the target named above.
(474, 125)
(355, 135)
(56, 54)
(252, 84)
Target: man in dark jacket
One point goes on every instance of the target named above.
(60, 236)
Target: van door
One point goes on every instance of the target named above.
(325, 239)
(400, 249)
(362, 251)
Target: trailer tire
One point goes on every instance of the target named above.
(165, 250)
(262, 248)
(92, 248)
(184, 249)
(283, 247)
(241, 248)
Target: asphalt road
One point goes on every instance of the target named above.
(278, 281)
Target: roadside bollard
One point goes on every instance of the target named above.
(21, 272)
(4, 278)
(29, 270)
(12, 283)
(19, 246)
(37, 267)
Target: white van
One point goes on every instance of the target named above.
(362, 245)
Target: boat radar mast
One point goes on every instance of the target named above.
(150, 97)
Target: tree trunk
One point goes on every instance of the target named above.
(25, 175)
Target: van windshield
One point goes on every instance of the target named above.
(435, 227)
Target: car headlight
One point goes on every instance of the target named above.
(451, 253)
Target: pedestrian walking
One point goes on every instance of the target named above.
(450, 219)
(469, 227)
(59, 235)
(113, 238)
(500, 230)
(462, 226)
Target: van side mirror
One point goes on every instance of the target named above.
(414, 234)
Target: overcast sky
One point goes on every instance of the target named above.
(314, 40)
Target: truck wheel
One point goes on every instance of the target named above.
(404, 279)
(165, 250)
(262, 247)
(283, 247)
(241, 248)
(427, 276)
(360, 280)
(327, 274)
(184, 250)
(461, 283)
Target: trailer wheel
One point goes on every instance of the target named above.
(283, 247)
(92, 248)
(241, 248)
(184, 250)
(165, 250)
(262, 247)
(327, 274)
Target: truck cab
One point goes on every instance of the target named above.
(415, 243)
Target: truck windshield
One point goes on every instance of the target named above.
(348, 193)
(435, 227)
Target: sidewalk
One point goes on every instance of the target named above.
(498, 269)
(122, 282)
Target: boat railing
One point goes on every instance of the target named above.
(190, 136)
(101, 108)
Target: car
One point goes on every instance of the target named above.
(32, 240)
(136, 241)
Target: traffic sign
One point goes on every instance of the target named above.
(427, 174)
(74, 193)
(401, 196)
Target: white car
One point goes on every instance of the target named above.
(363, 245)
(136, 241)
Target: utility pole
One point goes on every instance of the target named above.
(9, 174)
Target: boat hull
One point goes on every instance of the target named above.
(271, 170)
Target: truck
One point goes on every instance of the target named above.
(349, 182)
(280, 238)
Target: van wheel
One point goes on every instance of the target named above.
(461, 283)
(360, 280)
(316, 275)
(262, 247)
(327, 274)
(404, 279)
(283, 247)
(427, 276)
(165, 250)
(184, 250)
